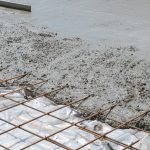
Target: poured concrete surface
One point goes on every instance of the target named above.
(108, 56)
(105, 22)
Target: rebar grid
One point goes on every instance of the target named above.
(120, 126)
(131, 145)
(77, 124)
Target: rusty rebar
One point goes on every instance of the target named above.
(106, 138)
(18, 76)
(21, 103)
(21, 88)
(70, 124)
(99, 137)
(130, 146)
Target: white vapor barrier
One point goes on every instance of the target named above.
(72, 137)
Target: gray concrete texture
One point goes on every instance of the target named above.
(101, 55)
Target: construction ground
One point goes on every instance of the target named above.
(91, 65)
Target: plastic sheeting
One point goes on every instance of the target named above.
(44, 126)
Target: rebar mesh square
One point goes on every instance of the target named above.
(98, 145)
(73, 137)
(17, 139)
(4, 126)
(16, 96)
(66, 114)
(6, 103)
(43, 104)
(123, 136)
(19, 114)
(45, 126)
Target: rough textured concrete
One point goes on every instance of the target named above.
(114, 73)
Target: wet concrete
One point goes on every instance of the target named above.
(97, 48)
(104, 22)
